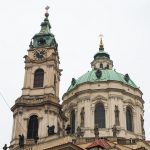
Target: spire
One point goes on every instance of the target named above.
(45, 26)
(101, 46)
(101, 53)
(44, 38)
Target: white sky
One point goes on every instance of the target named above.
(76, 24)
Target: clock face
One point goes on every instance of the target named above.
(40, 54)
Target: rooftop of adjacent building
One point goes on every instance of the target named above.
(72, 142)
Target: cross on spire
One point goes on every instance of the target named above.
(47, 8)
(101, 46)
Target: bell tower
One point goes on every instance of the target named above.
(38, 107)
(42, 73)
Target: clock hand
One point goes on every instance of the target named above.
(42, 52)
(41, 55)
(38, 55)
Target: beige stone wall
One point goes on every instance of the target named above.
(51, 69)
(43, 101)
(88, 95)
(21, 118)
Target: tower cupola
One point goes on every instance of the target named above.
(44, 38)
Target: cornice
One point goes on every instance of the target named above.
(122, 91)
(34, 102)
(102, 82)
(50, 58)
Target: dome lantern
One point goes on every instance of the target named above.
(102, 58)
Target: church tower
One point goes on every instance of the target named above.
(38, 108)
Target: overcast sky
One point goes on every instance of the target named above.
(76, 25)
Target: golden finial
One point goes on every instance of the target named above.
(47, 8)
(101, 46)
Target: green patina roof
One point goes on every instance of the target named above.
(45, 28)
(44, 38)
(101, 54)
(107, 75)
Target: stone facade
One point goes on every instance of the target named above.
(41, 121)
(88, 95)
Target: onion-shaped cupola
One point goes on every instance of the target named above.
(44, 38)
(102, 58)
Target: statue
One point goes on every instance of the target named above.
(68, 129)
(143, 131)
(142, 123)
(31, 45)
(73, 81)
(51, 130)
(27, 59)
(117, 115)
(63, 130)
(36, 138)
(98, 73)
(82, 114)
(114, 130)
(21, 141)
(79, 133)
(96, 131)
(5, 147)
(126, 77)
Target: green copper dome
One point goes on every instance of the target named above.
(106, 75)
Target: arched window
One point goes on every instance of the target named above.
(129, 119)
(72, 121)
(33, 127)
(107, 66)
(38, 78)
(101, 65)
(100, 115)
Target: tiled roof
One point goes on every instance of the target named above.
(65, 145)
(99, 143)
